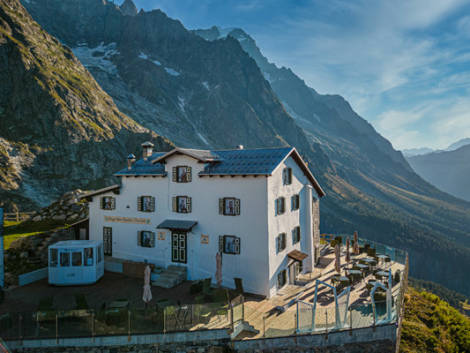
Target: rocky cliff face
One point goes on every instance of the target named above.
(202, 93)
(57, 126)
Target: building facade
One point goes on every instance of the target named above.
(258, 208)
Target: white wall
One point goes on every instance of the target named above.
(286, 222)
(250, 226)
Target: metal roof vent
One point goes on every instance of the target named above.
(147, 148)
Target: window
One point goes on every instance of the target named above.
(53, 259)
(146, 239)
(77, 258)
(280, 205)
(182, 204)
(182, 174)
(88, 252)
(108, 203)
(229, 244)
(295, 235)
(146, 203)
(229, 206)
(287, 176)
(280, 242)
(64, 259)
(295, 202)
(281, 279)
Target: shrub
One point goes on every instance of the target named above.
(195, 288)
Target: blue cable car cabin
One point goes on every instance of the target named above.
(74, 262)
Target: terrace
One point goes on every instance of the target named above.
(114, 305)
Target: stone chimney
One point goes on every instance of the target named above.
(240, 147)
(130, 161)
(147, 149)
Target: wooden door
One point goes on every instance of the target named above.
(179, 247)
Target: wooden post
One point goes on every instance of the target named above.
(17, 216)
(231, 316)
(164, 319)
(243, 308)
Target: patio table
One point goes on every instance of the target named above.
(368, 260)
(119, 304)
(362, 266)
(355, 272)
(382, 273)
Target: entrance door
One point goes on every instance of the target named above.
(108, 241)
(178, 247)
(294, 270)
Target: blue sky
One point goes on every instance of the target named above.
(403, 65)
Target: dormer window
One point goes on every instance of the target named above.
(287, 176)
(108, 203)
(182, 174)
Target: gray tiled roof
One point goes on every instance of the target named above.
(261, 161)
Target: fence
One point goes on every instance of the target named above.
(119, 321)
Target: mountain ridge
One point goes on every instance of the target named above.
(202, 93)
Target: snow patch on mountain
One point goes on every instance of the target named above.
(98, 57)
(206, 85)
(172, 72)
(181, 105)
(146, 57)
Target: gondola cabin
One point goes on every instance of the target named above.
(75, 262)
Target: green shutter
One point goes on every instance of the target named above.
(102, 203)
(237, 207)
(237, 245)
(139, 203)
(221, 206)
(113, 203)
(152, 204)
(289, 176)
(139, 238)
(174, 174)
(174, 204)
(221, 244)
(188, 174)
(152, 239)
(188, 204)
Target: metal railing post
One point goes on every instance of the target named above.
(93, 326)
(350, 321)
(164, 319)
(20, 326)
(326, 323)
(264, 326)
(128, 325)
(243, 308)
(57, 328)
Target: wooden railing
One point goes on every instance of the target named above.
(17, 216)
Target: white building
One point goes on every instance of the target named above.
(259, 208)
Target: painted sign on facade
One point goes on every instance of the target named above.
(133, 220)
(161, 235)
(204, 239)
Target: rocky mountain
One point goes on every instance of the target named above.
(448, 170)
(57, 126)
(217, 93)
(410, 152)
(458, 144)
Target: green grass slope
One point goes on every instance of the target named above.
(432, 325)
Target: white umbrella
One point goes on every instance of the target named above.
(218, 272)
(147, 296)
